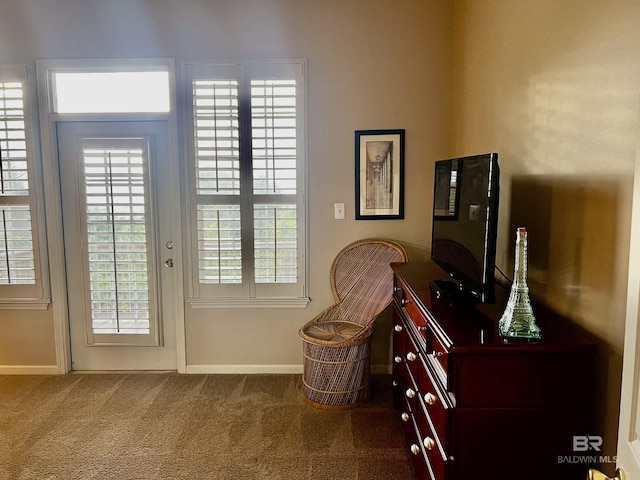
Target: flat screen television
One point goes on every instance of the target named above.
(465, 223)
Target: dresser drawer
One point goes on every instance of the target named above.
(409, 305)
(431, 445)
(406, 385)
(399, 336)
(419, 455)
(410, 356)
(435, 402)
(414, 312)
(438, 356)
(409, 389)
(404, 411)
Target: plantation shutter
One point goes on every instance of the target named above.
(116, 225)
(19, 272)
(274, 142)
(217, 182)
(246, 156)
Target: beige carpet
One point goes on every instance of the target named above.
(170, 426)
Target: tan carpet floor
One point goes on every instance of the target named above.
(170, 426)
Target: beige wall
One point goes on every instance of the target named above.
(26, 339)
(553, 87)
(372, 65)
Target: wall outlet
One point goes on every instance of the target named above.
(338, 211)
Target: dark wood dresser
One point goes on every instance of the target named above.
(475, 406)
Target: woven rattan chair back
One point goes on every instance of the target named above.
(361, 278)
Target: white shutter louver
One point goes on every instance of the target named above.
(217, 148)
(274, 136)
(219, 247)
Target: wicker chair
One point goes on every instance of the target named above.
(336, 343)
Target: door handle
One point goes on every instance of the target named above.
(168, 263)
(596, 475)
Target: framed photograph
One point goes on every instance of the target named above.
(379, 174)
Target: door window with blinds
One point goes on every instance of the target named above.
(247, 159)
(20, 276)
(119, 252)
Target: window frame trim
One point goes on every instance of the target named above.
(48, 123)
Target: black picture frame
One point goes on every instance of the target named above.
(379, 174)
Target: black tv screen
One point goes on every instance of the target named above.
(465, 222)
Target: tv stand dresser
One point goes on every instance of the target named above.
(475, 406)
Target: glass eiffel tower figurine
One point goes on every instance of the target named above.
(518, 320)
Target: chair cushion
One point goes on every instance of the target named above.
(333, 331)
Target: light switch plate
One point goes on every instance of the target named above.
(474, 213)
(338, 211)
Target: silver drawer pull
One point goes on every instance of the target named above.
(430, 398)
(394, 383)
(411, 357)
(398, 328)
(435, 354)
(405, 301)
(410, 393)
(405, 417)
(397, 359)
(415, 449)
(429, 443)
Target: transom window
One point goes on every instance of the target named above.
(111, 92)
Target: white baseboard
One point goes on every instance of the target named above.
(243, 369)
(264, 369)
(193, 369)
(29, 370)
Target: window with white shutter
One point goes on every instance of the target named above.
(247, 159)
(20, 276)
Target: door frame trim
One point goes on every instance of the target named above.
(628, 447)
(53, 200)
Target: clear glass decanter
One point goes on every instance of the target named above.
(518, 320)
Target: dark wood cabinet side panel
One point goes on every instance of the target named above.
(553, 380)
(523, 444)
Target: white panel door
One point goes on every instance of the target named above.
(120, 266)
